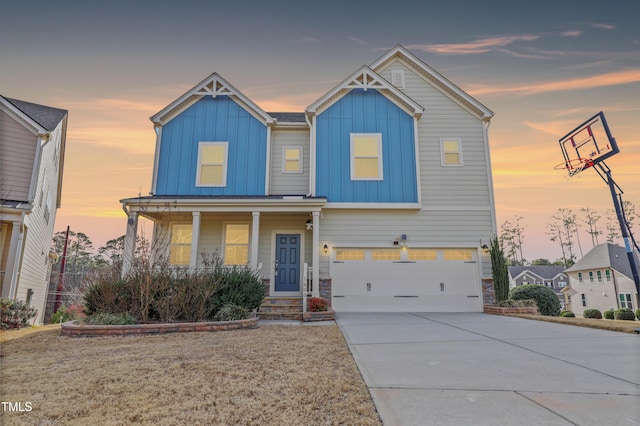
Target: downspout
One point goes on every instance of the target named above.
(485, 130)
(312, 157)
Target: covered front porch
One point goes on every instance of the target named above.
(277, 236)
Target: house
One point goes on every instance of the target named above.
(551, 276)
(378, 196)
(32, 146)
(603, 280)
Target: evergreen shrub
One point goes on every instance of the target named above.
(546, 299)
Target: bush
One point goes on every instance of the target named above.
(608, 314)
(510, 303)
(625, 314)
(231, 312)
(592, 313)
(317, 304)
(567, 314)
(638, 313)
(238, 285)
(64, 314)
(104, 318)
(499, 270)
(15, 314)
(546, 299)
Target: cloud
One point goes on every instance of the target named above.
(482, 45)
(573, 33)
(601, 26)
(608, 79)
(357, 40)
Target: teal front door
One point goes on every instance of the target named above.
(287, 262)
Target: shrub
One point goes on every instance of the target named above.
(510, 303)
(231, 312)
(567, 314)
(499, 270)
(317, 304)
(238, 285)
(104, 318)
(625, 314)
(546, 299)
(15, 313)
(592, 313)
(638, 313)
(64, 314)
(608, 314)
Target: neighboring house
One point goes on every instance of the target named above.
(551, 276)
(602, 280)
(32, 145)
(382, 188)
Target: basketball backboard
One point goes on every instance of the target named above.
(587, 145)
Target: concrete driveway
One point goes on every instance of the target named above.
(478, 369)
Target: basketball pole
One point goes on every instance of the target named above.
(605, 173)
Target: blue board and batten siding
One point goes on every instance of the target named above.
(366, 112)
(210, 119)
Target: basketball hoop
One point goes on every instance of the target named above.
(575, 165)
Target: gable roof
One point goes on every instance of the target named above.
(605, 256)
(365, 78)
(546, 272)
(437, 79)
(214, 85)
(43, 118)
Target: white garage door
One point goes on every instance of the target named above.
(408, 280)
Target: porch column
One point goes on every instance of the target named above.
(10, 282)
(195, 239)
(255, 231)
(130, 243)
(315, 254)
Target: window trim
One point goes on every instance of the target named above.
(625, 300)
(300, 150)
(224, 164)
(443, 152)
(397, 78)
(224, 242)
(352, 156)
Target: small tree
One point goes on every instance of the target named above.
(499, 270)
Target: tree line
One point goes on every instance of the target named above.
(564, 229)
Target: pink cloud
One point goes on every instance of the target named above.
(482, 45)
(574, 33)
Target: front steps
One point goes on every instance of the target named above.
(281, 308)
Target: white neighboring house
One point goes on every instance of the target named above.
(32, 145)
(602, 280)
(551, 276)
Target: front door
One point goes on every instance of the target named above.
(287, 262)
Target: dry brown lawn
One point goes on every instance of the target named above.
(273, 375)
(603, 324)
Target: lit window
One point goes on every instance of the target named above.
(212, 164)
(292, 159)
(422, 254)
(385, 254)
(342, 255)
(451, 152)
(180, 253)
(607, 275)
(599, 273)
(236, 244)
(625, 301)
(458, 254)
(366, 156)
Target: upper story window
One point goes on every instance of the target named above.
(212, 164)
(397, 78)
(607, 275)
(180, 250)
(599, 274)
(580, 277)
(591, 276)
(292, 159)
(451, 151)
(236, 244)
(366, 156)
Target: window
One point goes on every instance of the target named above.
(580, 277)
(590, 276)
(180, 252)
(599, 273)
(562, 284)
(583, 297)
(451, 152)
(625, 300)
(385, 254)
(607, 275)
(422, 254)
(366, 156)
(397, 78)
(548, 284)
(458, 254)
(292, 159)
(354, 254)
(236, 244)
(212, 164)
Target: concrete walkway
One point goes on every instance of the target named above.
(478, 369)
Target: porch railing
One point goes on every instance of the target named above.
(307, 285)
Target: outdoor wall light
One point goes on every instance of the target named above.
(309, 224)
(325, 248)
(485, 248)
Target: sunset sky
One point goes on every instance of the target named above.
(543, 67)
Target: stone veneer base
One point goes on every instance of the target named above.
(74, 329)
(498, 310)
(329, 315)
